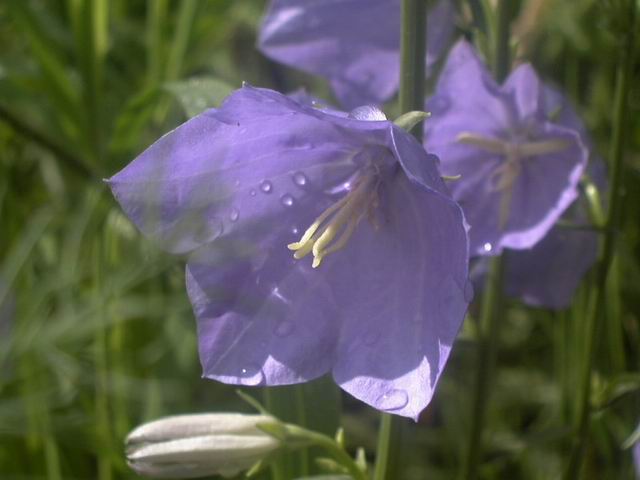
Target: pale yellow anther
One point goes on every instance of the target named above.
(338, 221)
(531, 149)
(492, 145)
(504, 176)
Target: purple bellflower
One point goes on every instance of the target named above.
(355, 44)
(548, 274)
(252, 190)
(520, 170)
(636, 459)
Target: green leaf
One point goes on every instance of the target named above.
(632, 439)
(197, 94)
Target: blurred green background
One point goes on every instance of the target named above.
(96, 332)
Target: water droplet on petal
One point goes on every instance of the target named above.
(252, 192)
(299, 179)
(295, 230)
(251, 375)
(371, 338)
(266, 186)
(468, 292)
(287, 200)
(284, 328)
(237, 183)
(234, 215)
(487, 247)
(393, 400)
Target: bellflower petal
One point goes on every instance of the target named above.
(388, 242)
(548, 274)
(355, 44)
(519, 170)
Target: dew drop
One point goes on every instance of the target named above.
(252, 192)
(487, 247)
(468, 291)
(299, 179)
(284, 328)
(251, 375)
(234, 215)
(266, 186)
(371, 338)
(295, 230)
(237, 183)
(287, 200)
(393, 400)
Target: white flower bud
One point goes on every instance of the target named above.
(190, 446)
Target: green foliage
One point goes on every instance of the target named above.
(103, 337)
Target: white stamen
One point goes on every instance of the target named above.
(345, 216)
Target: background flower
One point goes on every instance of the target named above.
(235, 186)
(519, 170)
(355, 44)
(548, 274)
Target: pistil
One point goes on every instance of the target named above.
(504, 175)
(332, 230)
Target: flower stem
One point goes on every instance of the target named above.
(331, 447)
(488, 333)
(598, 290)
(490, 316)
(413, 48)
(388, 441)
(502, 53)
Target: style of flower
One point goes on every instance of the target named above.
(520, 170)
(250, 190)
(355, 44)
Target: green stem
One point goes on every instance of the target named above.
(502, 48)
(490, 319)
(594, 317)
(156, 15)
(488, 334)
(389, 438)
(413, 47)
(331, 447)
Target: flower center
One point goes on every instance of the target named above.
(504, 175)
(332, 230)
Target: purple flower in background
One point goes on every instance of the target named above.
(636, 459)
(548, 274)
(520, 170)
(252, 188)
(355, 44)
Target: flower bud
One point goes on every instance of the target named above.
(199, 445)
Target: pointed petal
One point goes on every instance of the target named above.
(526, 91)
(548, 274)
(239, 167)
(553, 178)
(399, 324)
(466, 96)
(264, 320)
